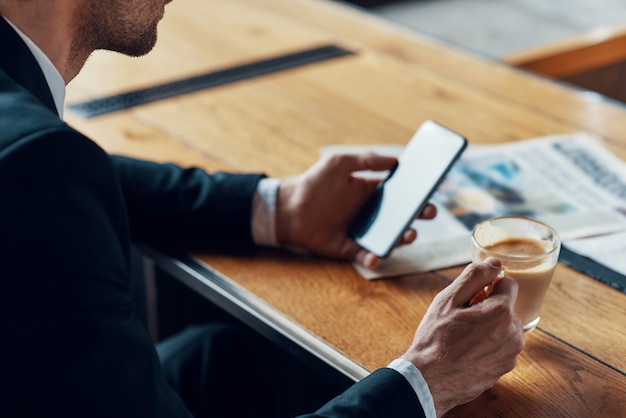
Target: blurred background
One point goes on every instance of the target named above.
(497, 27)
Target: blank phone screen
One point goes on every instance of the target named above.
(421, 167)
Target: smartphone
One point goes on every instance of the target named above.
(421, 167)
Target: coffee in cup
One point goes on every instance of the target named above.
(528, 250)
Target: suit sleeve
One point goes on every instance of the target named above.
(383, 394)
(71, 346)
(187, 209)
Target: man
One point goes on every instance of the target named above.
(71, 344)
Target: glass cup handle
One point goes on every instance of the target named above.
(487, 290)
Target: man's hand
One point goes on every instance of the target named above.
(463, 350)
(315, 209)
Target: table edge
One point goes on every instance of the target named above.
(245, 306)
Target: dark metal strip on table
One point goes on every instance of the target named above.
(593, 269)
(130, 99)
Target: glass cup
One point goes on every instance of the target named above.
(528, 250)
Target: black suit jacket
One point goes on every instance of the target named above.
(71, 345)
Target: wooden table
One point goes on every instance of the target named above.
(574, 364)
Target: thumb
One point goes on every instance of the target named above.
(474, 279)
(365, 161)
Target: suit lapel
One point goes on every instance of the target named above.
(18, 63)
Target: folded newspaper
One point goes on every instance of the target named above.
(572, 182)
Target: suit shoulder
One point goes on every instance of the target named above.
(22, 114)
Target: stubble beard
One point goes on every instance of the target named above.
(102, 27)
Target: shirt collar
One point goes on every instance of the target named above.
(52, 75)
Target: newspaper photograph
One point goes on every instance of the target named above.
(571, 182)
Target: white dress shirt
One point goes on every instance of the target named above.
(52, 75)
(263, 218)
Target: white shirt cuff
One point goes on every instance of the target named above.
(264, 213)
(417, 382)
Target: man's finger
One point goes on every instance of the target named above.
(429, 212)
(506, 286)
(367, 259)
(474, 279)
(408, 237)
(364, 161)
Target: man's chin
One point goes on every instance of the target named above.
(138, 48)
